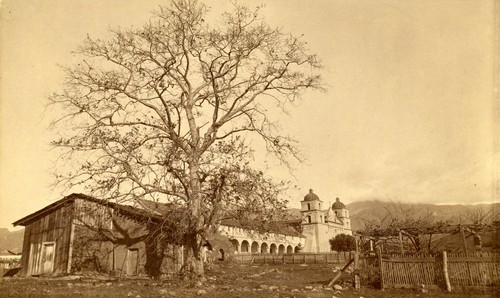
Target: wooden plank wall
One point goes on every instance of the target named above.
(77, 215)
(52, 227)
(173, 260)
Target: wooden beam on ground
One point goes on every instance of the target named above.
(339, 273)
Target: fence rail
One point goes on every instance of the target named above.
(296, 258)
(459, 270)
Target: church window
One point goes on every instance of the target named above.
(308, 206)
(309, 218)
(321, 218)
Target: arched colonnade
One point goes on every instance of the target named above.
(264, 247)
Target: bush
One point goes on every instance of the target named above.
(343, 242)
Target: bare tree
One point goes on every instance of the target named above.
(161, 112)
(409, 219)
(481, 215)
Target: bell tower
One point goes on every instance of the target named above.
(313, 222)
(311, 209)
(341, 212)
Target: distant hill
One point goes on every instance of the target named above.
(366, 211)
(11, 241)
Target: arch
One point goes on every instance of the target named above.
(281, 249)
(297, 249)
(244, 246)
(273, 248)
(255, 247)
(236, 245)
(289, 249)
(264, 248)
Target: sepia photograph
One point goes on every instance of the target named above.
(250, 148)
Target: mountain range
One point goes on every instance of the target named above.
(11, 241)
(363, 213)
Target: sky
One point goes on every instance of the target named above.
(408, 114)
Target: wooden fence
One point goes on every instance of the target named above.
(442, 270)
(473, 270)
(296, 258)
(8, 262)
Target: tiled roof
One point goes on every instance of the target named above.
(284, 228)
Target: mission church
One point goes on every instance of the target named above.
(310, 233)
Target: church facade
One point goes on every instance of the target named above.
(319, 225)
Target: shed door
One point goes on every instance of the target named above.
(132, 261)
(48, 258)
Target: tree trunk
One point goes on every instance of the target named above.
(193, 262)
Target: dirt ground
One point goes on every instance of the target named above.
(227, 280)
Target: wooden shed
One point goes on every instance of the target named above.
(79, 233)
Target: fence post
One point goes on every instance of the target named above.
(462, 233)
(401, 242)
(357, 283)
(445, 272)
(379, 253)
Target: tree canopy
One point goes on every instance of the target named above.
(162, 112)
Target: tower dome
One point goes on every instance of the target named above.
(311, 196)
(338, 204)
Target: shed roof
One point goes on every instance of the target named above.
(125, 209)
